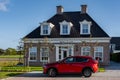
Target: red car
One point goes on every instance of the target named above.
(74, 64)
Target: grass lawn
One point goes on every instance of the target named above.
(20, 69)
(10, 56)
(9, 74)
(101, 69)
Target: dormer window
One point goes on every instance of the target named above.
(65, 27)
(46, 28)
(85, 27)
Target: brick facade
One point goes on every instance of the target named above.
(77, 51)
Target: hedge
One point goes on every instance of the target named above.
(115, 57)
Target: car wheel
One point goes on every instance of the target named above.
(87, 72)
(52, 72)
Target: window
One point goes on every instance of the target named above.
(69, 60)
(81, 59)
(65, 27)
(44, 55)
(98, 53)
(85, 51)
(33, 53)
(85, 27)
(45, 29)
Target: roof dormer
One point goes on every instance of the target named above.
(46, 28)
(65, 27)
(85, 27)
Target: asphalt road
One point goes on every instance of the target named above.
(112, 73)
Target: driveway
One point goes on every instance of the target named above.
(112, 73)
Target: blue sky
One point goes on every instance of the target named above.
(20, 17)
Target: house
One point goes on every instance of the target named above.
(66, 34)
(115, 45)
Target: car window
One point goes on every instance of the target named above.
(69, 60)
(81, 59)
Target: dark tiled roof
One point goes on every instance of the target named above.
(74, 18)
(116, 41)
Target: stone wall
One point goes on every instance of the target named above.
(77, 51)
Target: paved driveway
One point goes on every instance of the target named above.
(112, 73)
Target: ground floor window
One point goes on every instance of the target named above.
(33, 53)
(85, 51)
(44, 55)
(98, 53)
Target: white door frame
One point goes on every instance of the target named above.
(64, 45)
(62, 53)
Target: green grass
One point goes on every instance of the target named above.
(12, 71)
(20, 69)
(8, 63)
(9, 74)
(10, 56)
(101, 69)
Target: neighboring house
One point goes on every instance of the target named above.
(115, 45)
(66, 34)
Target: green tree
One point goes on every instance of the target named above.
(2, 51)
(10, 51)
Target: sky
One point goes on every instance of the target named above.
(20, 17)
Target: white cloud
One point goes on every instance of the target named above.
(3, 5)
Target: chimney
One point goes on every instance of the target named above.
(59, 9)
(83, 9)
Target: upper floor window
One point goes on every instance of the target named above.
(85, 27)
(65, 27)
(46, 28)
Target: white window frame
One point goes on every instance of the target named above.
(85, 51)
(69, 25)
(33, 50)
(98, 51)
(50, 26)
(81, 26)
(44, 61)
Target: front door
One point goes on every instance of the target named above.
(63, 52)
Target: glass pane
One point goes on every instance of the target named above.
(86, 51)
(45, 54)
(81, 59)
(85, 28)
(65, 29)
(45, 29)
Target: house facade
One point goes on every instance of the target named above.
(66, 34)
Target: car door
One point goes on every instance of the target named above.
(66, 65)
(78, 65)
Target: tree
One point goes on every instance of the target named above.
(10, 51)
(2, 51)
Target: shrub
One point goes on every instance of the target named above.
(115, 57)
